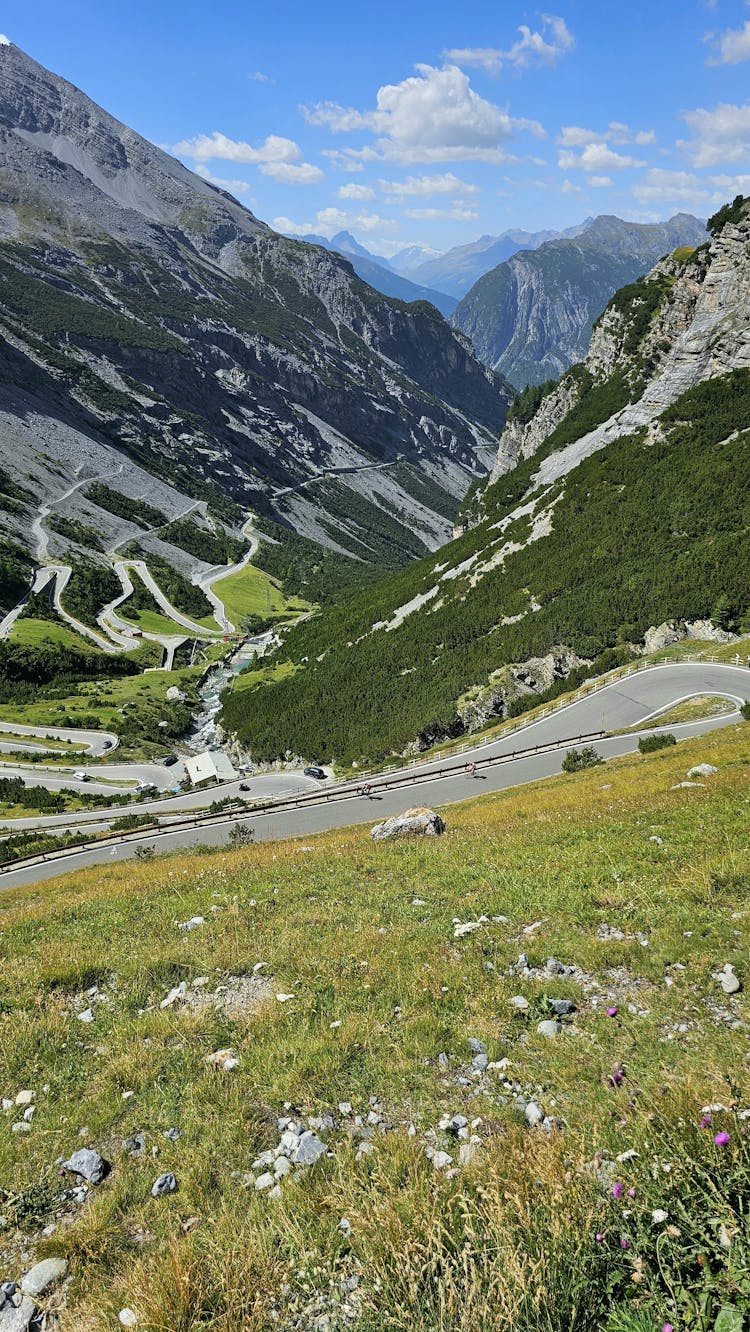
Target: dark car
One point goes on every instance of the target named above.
(315, 772)
(244, 786)
(170, 760)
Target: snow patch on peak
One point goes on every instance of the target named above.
(5, 41)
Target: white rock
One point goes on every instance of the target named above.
(194, 923)
(17, 1317)
(703, 770)
(418, 821)
(127, 1318)
(177, 992)
(43, 1275)
(441, 1160)
(265, 1181)
(284, 998)
(549, 1028)
(25, 1097)
(86, 1016)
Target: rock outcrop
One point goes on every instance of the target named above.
(416, 822)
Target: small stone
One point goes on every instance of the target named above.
(281, 1166)
(177, 992)
(43, 1275)
(284, 998)
(28, 1113)
(86, 1016)
(533, 1114)
(345, 1107)
(480, 1062)
(345, 1226)
(518, 1001)
(17, 1317)
(127, 1318)
(562, 1007)
(194, 923)
(310, 1149)
(441, 1160)
(21, 1126)
(703, 770)
(25, 1097)
(88, 1164)
(135, 1146)
(265, 1181)
(729, 983)
(476, 1047)
(418, 821)
(443, 1060)
(163, 1185)
(549, 1028)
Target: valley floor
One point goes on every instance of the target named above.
(475, 1168)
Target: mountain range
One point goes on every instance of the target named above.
(456, 271)
(619, 499)
(531, 317)
(153, 329)
(380, 274)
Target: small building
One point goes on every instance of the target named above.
(211, 766)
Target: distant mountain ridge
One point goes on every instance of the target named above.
(456, 271)
(377, 271)
(531, 316)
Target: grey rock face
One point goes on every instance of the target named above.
(416, 822)
(549, 1028)
(89, 1164)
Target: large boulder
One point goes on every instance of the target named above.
(417, 822)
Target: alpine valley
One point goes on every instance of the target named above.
(619, 500)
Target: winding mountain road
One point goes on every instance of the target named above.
(632, 700)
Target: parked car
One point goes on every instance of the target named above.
(315, 772)
(170, 760)
(81, 776)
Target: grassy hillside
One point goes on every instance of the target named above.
(621, 1213)
(636, 534)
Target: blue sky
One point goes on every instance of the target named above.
(423, 122)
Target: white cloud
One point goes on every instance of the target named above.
(730, 186)
(425, 186)
(457, 214)
(233, 186)
(363, 192)
(5, 41)
(721, 135)
(330, 220)
(342, 159)
(216, 146)
(596, 157)
(433, 116)
(574, 136)
(599, 182)
(568, 187)
(258, 77)
(293, 173)
(532, 48)
(732, 46)
(277, 157)
(660, 185)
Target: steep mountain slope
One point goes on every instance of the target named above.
(531, 317)
(620, 500)
(379, 274)
(456, 271)
(148, 320)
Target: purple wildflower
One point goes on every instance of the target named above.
(667, 1327)
(706, 1122)
(617, 1190)
(613, 1011)
(631, 1193)
(624, 1243)
(721, 1140)
(599, 1238)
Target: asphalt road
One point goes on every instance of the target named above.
(628, 702)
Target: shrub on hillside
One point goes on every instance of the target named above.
(577, 759)
(745, 710)
(649, 743)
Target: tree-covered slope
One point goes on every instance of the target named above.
(621, 501)
(531, 317)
